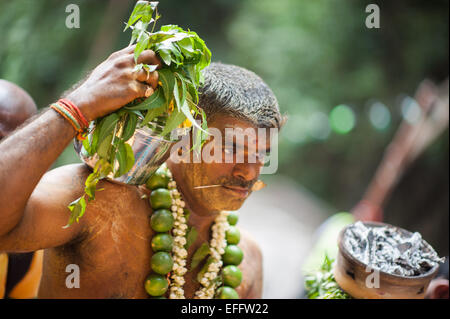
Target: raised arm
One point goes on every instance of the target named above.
(28, 152)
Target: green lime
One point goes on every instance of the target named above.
(156, 285)
(159, 179)
(233, 236)
(161, 220)
(232, 218)
(232, 276)
(226, 292)
(160, 198)
(161, 263)
(162, 242)
(233, 255)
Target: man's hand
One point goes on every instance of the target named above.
(36, 146)
(113, 83)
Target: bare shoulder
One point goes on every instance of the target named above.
(70, 177)
(46, 212)
(251, 267)
(66, 183)
(249, 245)
(56, 189)
(59, 187)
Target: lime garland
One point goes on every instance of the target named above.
(173, 238)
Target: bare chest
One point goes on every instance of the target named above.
(114, 257)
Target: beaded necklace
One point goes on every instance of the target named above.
(172, 239)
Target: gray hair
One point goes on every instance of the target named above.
(235, 91)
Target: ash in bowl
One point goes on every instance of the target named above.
(391, 250)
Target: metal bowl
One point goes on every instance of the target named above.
(150, 151)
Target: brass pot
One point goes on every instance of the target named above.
(352, 276)
(149, 149)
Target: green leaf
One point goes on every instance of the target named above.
(176, 96)
(93, 139)
(165, 55)
(186, 45)
(107, 125)
(141, 9)
(77, 209)
(130, 157)
(199, 255)
(103, 168)
(153, 101)
(160, 36)
(151, 114)
(191, 237)
(187, 214)
(150, 67)
(167, 79)
(104, 147)
(87, 145)
(141, 45)
(91, 184)
(121, 157)
(187, 112)
(173, 121)
(129, 126)
(204, 269)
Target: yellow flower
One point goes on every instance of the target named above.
(186, 123)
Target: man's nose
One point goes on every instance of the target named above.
(247, 171)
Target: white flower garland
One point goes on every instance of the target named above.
(217, 249)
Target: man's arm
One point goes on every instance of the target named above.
(28, 152)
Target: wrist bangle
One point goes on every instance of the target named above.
(73, 115)
(76, 111)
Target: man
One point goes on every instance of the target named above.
(111, 243)
(20, 274)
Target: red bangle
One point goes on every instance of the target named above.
(72, 114)
(76, 112)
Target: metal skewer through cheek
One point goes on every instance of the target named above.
(256, 187)
(206, 186)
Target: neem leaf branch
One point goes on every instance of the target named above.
(173, 104)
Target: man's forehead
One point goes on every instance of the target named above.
(231, 127)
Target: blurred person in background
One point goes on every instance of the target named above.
(20, 273)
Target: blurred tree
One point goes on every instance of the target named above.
(318, 54)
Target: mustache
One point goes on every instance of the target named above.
(236, 182)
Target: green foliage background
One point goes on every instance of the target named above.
(314, 54)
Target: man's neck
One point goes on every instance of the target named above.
(200, 217)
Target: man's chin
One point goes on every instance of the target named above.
(231, 204)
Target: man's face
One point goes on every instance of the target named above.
(235, 177)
